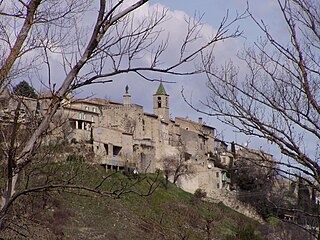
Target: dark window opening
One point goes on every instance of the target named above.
(187, 156)
(106, 147)
(80, 125)
(72, 124)
(116, 150)
(159, 102)
(112, 167)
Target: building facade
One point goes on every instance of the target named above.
(124, 136)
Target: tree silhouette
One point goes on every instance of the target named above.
(25, 90)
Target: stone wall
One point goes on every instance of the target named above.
(229, 199)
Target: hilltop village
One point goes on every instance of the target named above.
(122, 136)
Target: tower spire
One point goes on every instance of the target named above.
(161, 103)
(161, 90)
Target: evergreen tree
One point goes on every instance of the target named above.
(25, 90)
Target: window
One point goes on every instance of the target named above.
(106, 148)
(94, 109)
(217, 174)
(72, 124)
(81, 116)
(159, 102)
(86, 108)
(116, 150)
(218, 185)
(80, 125)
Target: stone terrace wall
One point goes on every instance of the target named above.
(230, 199)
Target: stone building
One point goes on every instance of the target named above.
(124, 136)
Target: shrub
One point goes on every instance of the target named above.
(199, 194)
(73, 157)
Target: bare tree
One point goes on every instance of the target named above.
(279, 97)
(36, 31)
(175, 167)
(254, 180)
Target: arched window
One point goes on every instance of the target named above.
(159, 102)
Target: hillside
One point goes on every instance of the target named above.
(75, 214)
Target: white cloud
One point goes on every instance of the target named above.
(176, 28)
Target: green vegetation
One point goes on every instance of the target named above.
(25, 90)
(74, 157)
(120, 210)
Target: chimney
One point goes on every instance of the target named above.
(200, 120)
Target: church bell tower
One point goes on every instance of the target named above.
(161, 103)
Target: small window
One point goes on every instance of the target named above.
(159, 102)
(218, 185)
(73, 124)
(217, 174)
(94, 109)
(80, 125)
(86, 108)
(106, 147)
(116, 150)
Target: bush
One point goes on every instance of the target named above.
(245, 232)
(73, 157)
(198, 195)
